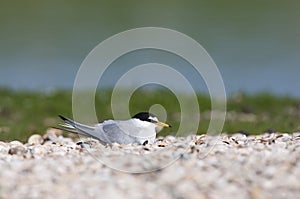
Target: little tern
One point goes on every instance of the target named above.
(140, 129)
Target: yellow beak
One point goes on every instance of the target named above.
(162, 124)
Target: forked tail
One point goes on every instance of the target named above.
(75, 127)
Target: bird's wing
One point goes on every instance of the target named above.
(117, 131)
(125, 132)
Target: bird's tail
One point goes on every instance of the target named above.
(75, 127)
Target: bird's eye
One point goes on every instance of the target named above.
(152, 121)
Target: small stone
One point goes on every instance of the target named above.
(115, 146)
(162, 144)
(39, 151)
(4, 147)
(17, 150)
(296, 134)
(283, 138)
(83, 144)
(236, 140)
(200, 139)
(259, 146)
(52, 134)
(15, 143)
(146, 148)
(170, 138)
(3, 144)
(226, 142)
(35, 139)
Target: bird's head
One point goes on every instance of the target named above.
(149, 117)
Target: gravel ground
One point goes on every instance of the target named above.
(204, 166)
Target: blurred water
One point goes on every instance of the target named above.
(255, 44)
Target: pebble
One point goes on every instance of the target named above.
(17, 150)
(35, 139)
(16, 143)
(52, 134)
(39, 151)
(202, 166)
(4, 147)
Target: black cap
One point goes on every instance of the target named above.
(144, 116)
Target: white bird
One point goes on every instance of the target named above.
(140, 129)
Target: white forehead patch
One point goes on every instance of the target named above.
(153, 118)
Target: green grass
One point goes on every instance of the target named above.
(23, 113)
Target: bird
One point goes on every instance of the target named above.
(140, 129)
